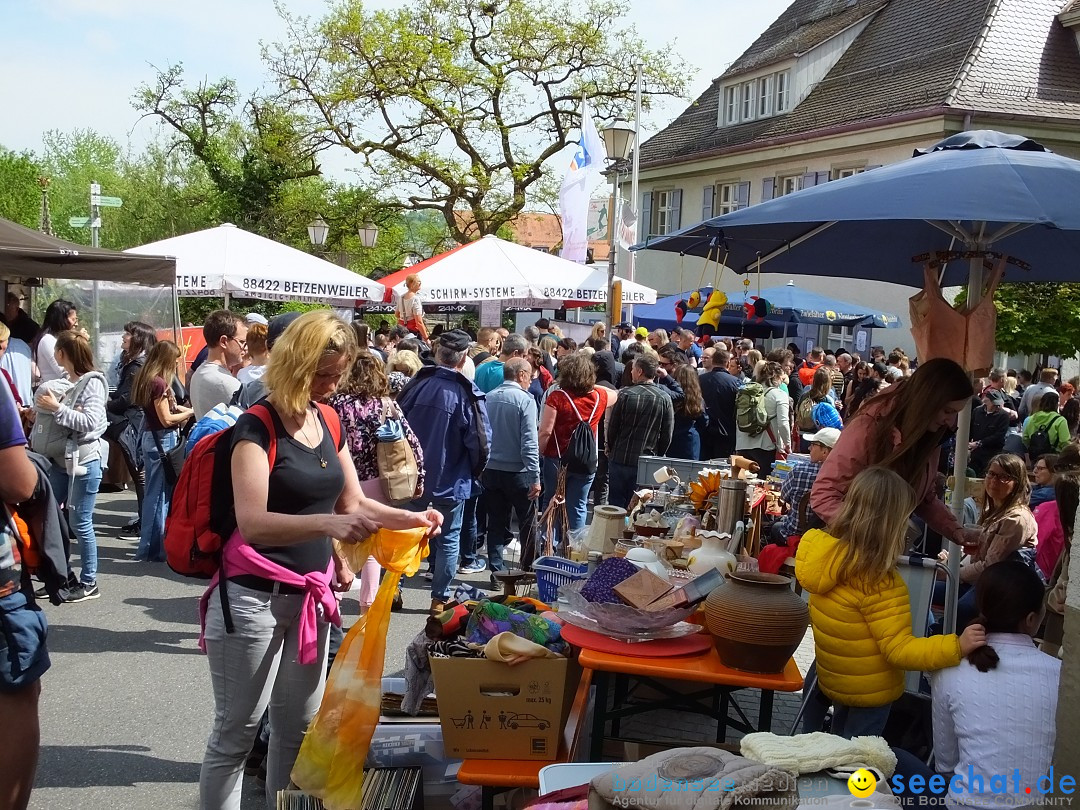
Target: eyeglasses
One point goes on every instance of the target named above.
(1004, 478)
(241, 343)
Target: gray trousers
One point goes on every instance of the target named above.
(252, 668)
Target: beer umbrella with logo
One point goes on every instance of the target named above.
(230, 261)
(492, 269)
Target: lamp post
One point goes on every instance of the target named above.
(318, 230)
(618, 141)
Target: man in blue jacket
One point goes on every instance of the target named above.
(448, 414)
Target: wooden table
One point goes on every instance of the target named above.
(494, 775)
(713, 700)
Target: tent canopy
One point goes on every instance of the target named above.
(492, 269)
(230, 260)
(25, 253)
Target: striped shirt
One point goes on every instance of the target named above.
(640, 424)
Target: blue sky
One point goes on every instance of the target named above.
(70, 64)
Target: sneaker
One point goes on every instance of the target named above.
(41, 593)
(429, 575)
(475, 567)
(132, 531)
(82, 592)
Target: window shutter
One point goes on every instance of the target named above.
(646, 223)
(809, 179)
(742, 197)
(875, 166)
(676, 210)
(768, 188)
(707, 202)
(822, 177)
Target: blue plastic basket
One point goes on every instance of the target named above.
(553, 572)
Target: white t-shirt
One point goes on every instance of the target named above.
(249, 373)
(48, 368)
(16, 362)
(211, 385)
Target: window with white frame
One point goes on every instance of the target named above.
(847, 172)
(748, 89)
(663, 201)
(731, 104)
(765, 96)
(787, 184)
(760, 97)
(727, 198)
(783, 80)
(841, 337)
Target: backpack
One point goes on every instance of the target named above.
(1040, 443)
(49, 437)
(750, 414)
(398, 471)
(201, 516)
(804, 415)
(580, 455)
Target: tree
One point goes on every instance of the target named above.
(20, 195)
(460, 104)
(1037, 318)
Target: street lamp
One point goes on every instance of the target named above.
(618, 143)
(317, 231)
(368, 233)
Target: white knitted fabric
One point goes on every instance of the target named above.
(809, 753)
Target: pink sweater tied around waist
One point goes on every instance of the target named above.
(238, 557)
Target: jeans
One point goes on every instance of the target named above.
(155, 505)
(622, 478)
(907, 766)
(473, 528)
(848, 721)
(250, 669)
(508, 492)
(577, 492)
(444, 548)
(80, 503)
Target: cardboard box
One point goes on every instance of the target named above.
(490, 710)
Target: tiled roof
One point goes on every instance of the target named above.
(803, 25)
(911, 57)
(1028, 64)
(1074, 5)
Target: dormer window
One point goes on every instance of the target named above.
(761, 97)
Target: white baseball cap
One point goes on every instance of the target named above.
(825, 436)
(255, 317)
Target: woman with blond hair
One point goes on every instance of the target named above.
(280, 562)
(411, 312)
(162, 416)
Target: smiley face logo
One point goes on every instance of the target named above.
(862, 783)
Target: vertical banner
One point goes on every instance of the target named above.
(581, 176)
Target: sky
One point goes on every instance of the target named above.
(67, 64)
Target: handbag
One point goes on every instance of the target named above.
(399, 473)
(172, 460)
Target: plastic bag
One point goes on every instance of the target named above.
(340, 733)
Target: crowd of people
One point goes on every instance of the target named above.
(500, 425)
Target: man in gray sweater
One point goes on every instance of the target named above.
(512, 478)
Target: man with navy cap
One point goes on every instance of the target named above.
(449, 416)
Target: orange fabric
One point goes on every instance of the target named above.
(330, 763)
(806, 372)
(940, 330)
(28, 550)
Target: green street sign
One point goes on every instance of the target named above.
(78, 222)
(108, 202)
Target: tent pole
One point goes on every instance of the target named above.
(963, 435)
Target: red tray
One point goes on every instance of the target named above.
(657, 648)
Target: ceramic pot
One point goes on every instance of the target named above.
(712, 554)
(757, 620)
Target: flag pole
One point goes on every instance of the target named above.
(632, 263)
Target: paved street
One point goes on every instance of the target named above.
(126, 707)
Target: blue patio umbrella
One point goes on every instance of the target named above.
(975, 191)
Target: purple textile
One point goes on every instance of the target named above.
(608, 574)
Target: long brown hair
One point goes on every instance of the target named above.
(160, 362)
(872, 522)
(77, 350)
(908, 406)
(692, 403)
(1014, 467)
(820, 385)
(367, 380)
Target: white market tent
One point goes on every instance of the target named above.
(492, 269)
(230, 261)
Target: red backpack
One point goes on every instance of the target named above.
(201, 516)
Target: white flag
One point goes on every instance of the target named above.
(627, 224)
(581, 176)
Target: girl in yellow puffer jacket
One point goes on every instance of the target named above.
(860, 611)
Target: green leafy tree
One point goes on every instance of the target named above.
(459, 104)
(1037, 318)
(20, 195)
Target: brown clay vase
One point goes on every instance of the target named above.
(757, 620)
